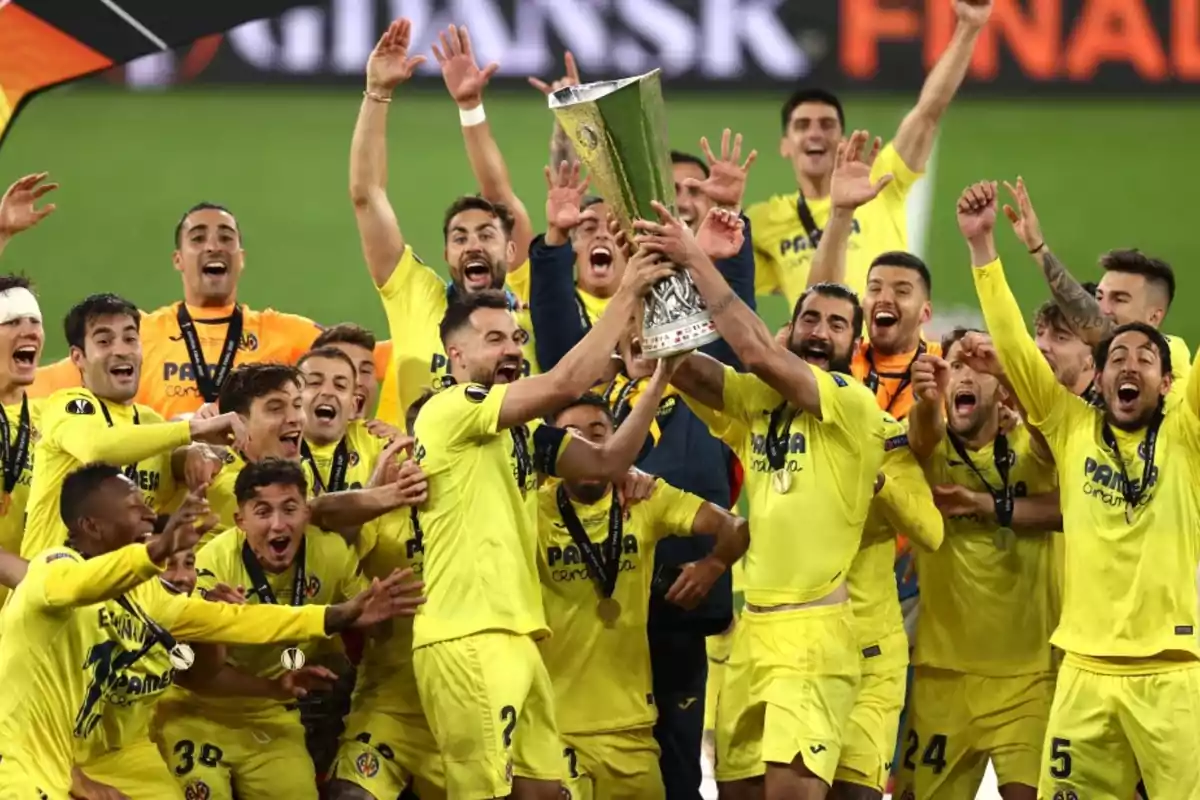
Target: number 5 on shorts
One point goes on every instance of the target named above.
(1060, 758)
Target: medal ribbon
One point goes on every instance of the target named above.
(1133, 496)
(603, 567)
(158, 634)
(337, 470)
(418, 534)
(16, 455)
(521, 450)
(1005, 496)
(778, 440)
(258, 578)
(808, 221)
(210, 384)
(129, 471)
(871, 381)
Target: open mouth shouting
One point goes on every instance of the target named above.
(816, 353)
(25, 357)
(289, 445)
(600, 261)
(279, 543)
(215, 268)
(122, 373)
(965, 401)
(477, 273)
(325, 412)
(885, 318)
(507, 371)
(1128, 394)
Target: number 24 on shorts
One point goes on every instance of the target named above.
(934, 755)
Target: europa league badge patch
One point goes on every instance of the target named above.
(182, 657)
(292, 659)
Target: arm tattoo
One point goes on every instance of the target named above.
(724, 304)
(1080, 308)
(561, 148)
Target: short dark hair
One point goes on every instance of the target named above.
(473, 202)
(345, 333)
(410, 416)
(680, 157)
(328, 352)
(78, 488)
(590, 200)
(75, 324)
(1091, 287)
(1100, 355)
(268, 472)
(955, 336)
(14, 281)
(462, 306)
(899, 258)
(588, 400)
(1135, 262)
(1048, 313)
(248, 382)
(836, 290)
(203, 206)
(811, 96)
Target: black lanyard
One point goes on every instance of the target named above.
(521, 453)
(16, 455)
(1091, 395)
(131, 470)
(1131, 494)
(418, 534)
(258, 577)
(871, 381)
(808, 221)
(1005, 496)
(337, 470)
(623, 405)
(584, 319)
(158, 634)
(210, 384)
(779, 438)
(603, 567)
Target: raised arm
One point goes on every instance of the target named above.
(553, 305)
(18, 209)
(701, 378)
(69, 581)
(466, 81)
(86, 437)
(849, 189)
(561, 148)
(388, 66)
(581, 460)
(927, 420)
(1028, 373)
(541, 395)
(915, 137)
(747, 334)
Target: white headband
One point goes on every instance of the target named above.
(18, 303)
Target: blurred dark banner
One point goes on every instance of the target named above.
(1096, 46)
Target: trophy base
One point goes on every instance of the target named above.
(684, 336)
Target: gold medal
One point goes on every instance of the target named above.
(5, 503)
(609, 611)
(1002, 537)
(781, 480)
(1129, 514)
(292, 659)
(182, 657)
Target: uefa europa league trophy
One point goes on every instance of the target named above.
(620, 132)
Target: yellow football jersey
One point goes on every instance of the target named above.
(13, 504)
(989, 609)
(414, 299)
(832, 463)
(480, 520)
(331, 576)
(79, 428)
(783, 253)
(386, 682)
(1130, 586)
(601, 674)
(904, 503)
(1181, 360)
(362, 451)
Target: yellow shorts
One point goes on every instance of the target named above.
(719, 647)
(19, 783)
(490, 705)
(869, 739)
(957, 722)
(383, 753)
(620, 765)
(789, 687)
(213, 760)
(138, 771)
(1105, 730)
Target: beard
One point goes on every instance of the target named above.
(815, 350)
(588, 492)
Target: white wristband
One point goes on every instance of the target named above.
(471, 116)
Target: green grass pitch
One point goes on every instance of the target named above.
(1102, 174)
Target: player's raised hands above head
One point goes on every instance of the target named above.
(979, 353)
(389, 64)
(977, 210)
(185, 527)
(18, 207)
(974, 13)
(645, 269)
(669, 237)
(464, 79)
(930, 378)
(851, 184)
(565, 189)
(1023, 218)
(721, 234)
(726, 181)
(571, 78)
